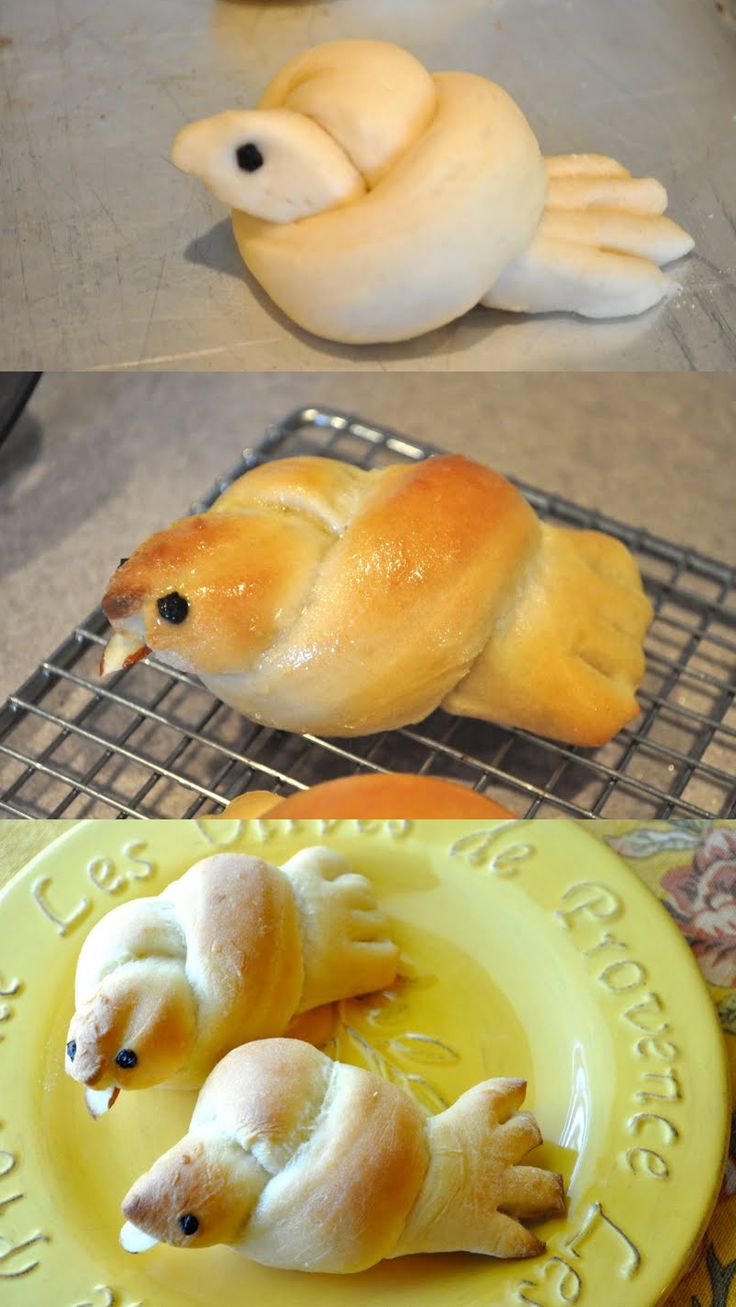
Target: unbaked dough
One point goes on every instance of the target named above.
(375, 201)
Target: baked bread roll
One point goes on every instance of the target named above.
(307, 1164)
(374, 201)
(232, 951)
(394, 795)
(318, 597)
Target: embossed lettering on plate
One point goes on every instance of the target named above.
(558, 1281)
(7, 1164)
(15, 1261)
(478, 849)
(104, 1296)
(16, 1258)
(110, 877)
(591, 900)
(265, 828)
(64, 920)
(8, 989)
(225, 832)
(585, 910)
(106, 874)
(625, 980)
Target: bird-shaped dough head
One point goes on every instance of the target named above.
(201, 1192)
(212, 592)
(272, 163)
(135, 1031)
(327, 127)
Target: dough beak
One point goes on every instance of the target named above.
(122, 650)
(134, 1240)
(100, 1101)
(187, 147)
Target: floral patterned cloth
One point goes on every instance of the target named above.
(691, 866)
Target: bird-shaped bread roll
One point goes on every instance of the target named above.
(374, 201)
(314, 596)
(230, 952)
(307, 1164)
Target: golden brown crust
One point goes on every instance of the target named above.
(365, 1124)
(324, 488)
(324, 598)
(567, 658)
(431, 552)
(475, 1190)
(265, 1091)
(243, 578)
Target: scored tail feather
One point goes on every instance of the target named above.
(474, 1193)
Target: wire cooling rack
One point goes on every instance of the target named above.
(150, 742)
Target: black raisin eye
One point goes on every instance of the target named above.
(188, 1224)
(122, 562)
(249, 157)
(126, 1058)
(173, 607)
(71, 1049)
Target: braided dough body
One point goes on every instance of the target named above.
(324, 598)
(307, 1164)
(389, 201)
(230, 952)
(425, 244)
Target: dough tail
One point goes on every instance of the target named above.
(346, 938)
(475, 1193)
(566, 658)
(599, 246)
(556, 276)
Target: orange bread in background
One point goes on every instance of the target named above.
(393, 795)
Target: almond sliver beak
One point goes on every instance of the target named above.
(100, 1101)
(121, 651)
(134, 1240)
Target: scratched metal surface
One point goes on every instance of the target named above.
(109, 257)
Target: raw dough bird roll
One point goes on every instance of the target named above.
(375, 201)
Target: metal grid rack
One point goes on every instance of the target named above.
(150, 742)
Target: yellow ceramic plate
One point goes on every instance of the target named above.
(530, 951)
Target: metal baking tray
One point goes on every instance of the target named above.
(111, 258)
(150, 742)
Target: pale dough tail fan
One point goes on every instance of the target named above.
(599, 246)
